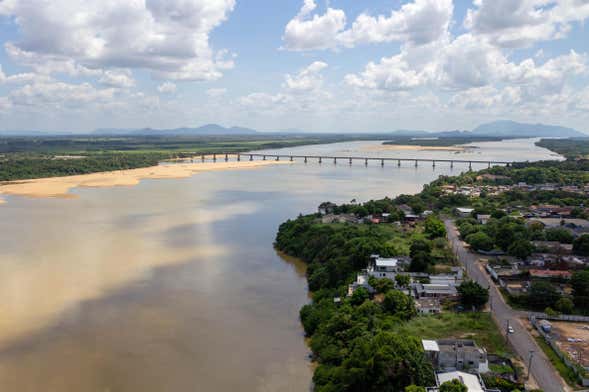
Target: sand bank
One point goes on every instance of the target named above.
(404, 147)
(60, 186)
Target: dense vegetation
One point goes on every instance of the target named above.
(572, 148)
(35, 157)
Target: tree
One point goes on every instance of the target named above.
(564, 305)
(360, 295)
(542, 295)
(453, 386)
(414, 388)
(480, 241)
(521, 249)
(559, 234)
(472, 294)
(419, 262)
(581, 245)
(580, 284)
(399, 304)
(402, 280)
(381, 285)
(434, 228)
(420, 245)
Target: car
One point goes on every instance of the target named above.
(510, 329)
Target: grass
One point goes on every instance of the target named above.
(567, 374)
(477, 326)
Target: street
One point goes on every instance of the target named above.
(523, 343)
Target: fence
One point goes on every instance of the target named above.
(579, 371)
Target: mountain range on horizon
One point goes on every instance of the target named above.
(501, 128)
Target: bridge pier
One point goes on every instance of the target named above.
(365, 161)
(451, 164)
(264, 157)
(399, 163)
(251, 157)
(319, 159)
(416, 163)
(382, 162)
(277, 158)
(291, 158)
(305, 159)
(202, 158)
(350, 161)
(334, 160)
(434, 164)
(489, 164)
(238, 157)
(469, 166)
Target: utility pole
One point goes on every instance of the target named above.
(530, 364)
(507, 331)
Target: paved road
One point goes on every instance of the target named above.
(542, 370)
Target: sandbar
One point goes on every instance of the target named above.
(406, 147)
(60, 186)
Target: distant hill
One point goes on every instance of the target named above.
(507, 128)
(209, 129)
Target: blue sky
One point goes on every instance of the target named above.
(314, 65)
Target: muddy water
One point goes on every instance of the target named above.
(173, 285)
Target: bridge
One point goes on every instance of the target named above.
(351, 159)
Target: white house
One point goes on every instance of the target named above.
(380, 267)
(472, 382)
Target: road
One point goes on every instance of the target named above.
(542, 370)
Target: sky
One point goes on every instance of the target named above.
(315, 65)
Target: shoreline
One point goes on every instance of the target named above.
(60, 187)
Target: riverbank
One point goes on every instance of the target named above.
(60, 187)
(408, 147)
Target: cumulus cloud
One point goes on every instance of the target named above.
(520, 23)
(117, 78)
(307, 79)
(419, 22)
(169, 38)
(167, 88)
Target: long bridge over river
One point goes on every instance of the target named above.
(350, 159)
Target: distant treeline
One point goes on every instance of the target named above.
(573, 148)
(36, 157)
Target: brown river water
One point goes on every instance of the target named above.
(173, 285)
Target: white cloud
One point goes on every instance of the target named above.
(119, 78)
(520, 23)
(216, 92)
(167, 88)
(307, 79)
(419, 22)
(168, 37)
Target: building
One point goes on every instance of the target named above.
(548, 274)
(380, 267)
(428, 290)
(472, 382)
(361, 281)
(553, 247)
(427, 306)
(464, 212)
(483, 218)
(456, 354)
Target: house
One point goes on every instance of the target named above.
(553, 247)
(361, 281)
(577, 226)
(483, 218)
(380, 267)
(472, 382)
(464, 211)
(427, 306)
(428, 290)
(326, 208)
(538, 274)
(456, 354)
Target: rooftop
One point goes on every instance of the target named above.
(381, 262)
(430, 345)
(471, 381)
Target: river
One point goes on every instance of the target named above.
(173, 285)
